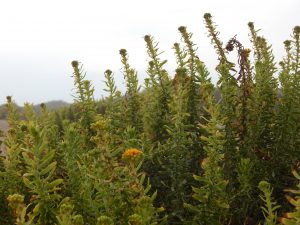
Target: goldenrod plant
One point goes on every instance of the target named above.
(293, 218)
(40, 177)
(229, 91)
(174, 158)
(244, 203)
(287, 127)
(198, 87)
(84, 99)
(270, 206)
(16, 202)
(265, 98)
(66, 215)
(132, 97)
(114, 110)
(192, 85)
(12, 159)
(213, 200)
(159, 81)
(177, 149)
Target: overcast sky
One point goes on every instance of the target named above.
(40, 38)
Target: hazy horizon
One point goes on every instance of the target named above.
(40, 38)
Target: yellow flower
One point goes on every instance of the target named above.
(131, 152)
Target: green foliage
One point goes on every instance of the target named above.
(158, 86)
(229, 91)
(16, 202)
(293, 218)
(245, 203)
(191, 84)
(270, 207)
(264, 100)
(180, 150)
(39, 177)
(144, 212)
(213, 200)
(67, 217)
(104, 220)
(84, 97)
(132, 98)
(173, 160)
(12, 160)
(213, 34)
(5, 211)
(114, 110)
(287, 130)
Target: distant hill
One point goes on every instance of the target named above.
(56, 104)
(51, 105)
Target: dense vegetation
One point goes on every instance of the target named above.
(170, 153)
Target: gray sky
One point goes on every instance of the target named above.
(40, 38)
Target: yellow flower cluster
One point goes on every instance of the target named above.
(131, 152)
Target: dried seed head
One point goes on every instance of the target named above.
(182, 29)
(147, 38)
(8, 98)
(251, 25)
(287, 43)
(108, 71)
(75, 63)
(207, 16)
(229, 46)
(297, 29)
(176, 45)
(43, 105)
(123, 51)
